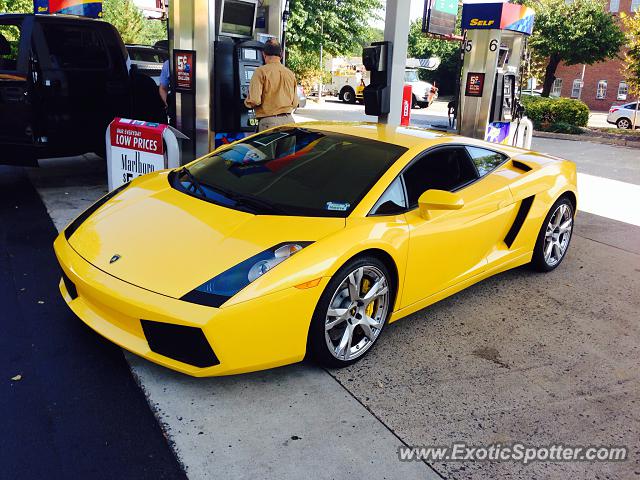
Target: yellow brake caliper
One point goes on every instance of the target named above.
(366, 285)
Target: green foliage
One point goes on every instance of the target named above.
(306, 66)
(556, 114)
(422, 46)
(131, 23)
(581, 31)
(371, 34)
(340, 27)
(16, 6)
(632, 55)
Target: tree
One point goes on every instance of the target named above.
(581, 31)
(338, 25)
(422, 46)
(126, 17)
(632, 55)
(16, 6)
(131, 22)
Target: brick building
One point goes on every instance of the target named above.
(603, 82)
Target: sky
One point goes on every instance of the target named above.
(417, 7)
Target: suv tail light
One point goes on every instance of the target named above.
(613, 109)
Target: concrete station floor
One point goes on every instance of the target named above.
(522, 357)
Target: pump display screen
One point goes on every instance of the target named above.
(249, 54)
(237, 18)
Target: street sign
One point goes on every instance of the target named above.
(439, 17)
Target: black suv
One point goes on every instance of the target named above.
(62, 80)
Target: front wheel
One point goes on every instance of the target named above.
(351, 313)
(554, 237)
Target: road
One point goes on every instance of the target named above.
(520, 357)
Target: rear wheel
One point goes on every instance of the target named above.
(554, 237)
(348, 95)
(623, 123)
(351, 313)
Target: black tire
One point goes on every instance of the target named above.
(348, 95)
(414, 101)
(424, 104)
(624, 123)
(317, 343)
(539, 262)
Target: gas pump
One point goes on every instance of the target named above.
(494, 47)
(237, 56)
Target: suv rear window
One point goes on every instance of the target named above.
(75, 47)
(147, 55)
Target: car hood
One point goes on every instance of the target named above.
(419, 86)
(170, 243)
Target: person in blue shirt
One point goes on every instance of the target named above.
(165, 82)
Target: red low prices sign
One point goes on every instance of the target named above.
(184, 62)
(137, 135)
(136, 149)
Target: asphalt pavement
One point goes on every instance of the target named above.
(70, 406)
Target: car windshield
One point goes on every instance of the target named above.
(291, 171)
(411, 76)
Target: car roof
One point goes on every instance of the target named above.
(146, 47)
(412, 138)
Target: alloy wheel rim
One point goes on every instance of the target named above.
(558, 234)
(624, 123)
(356, 314)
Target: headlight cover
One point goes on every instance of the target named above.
(222, 287)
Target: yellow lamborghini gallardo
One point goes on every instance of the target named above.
(307, 240)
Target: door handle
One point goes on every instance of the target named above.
(15, 94)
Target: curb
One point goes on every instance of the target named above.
(621, 142)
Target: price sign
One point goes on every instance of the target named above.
(136, 149)
(184, 62)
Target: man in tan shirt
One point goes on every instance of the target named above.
(273, 89)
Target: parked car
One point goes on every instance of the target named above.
(302, 97)
(288, 254)
(622, 115)
(62, 80)
(148, 60)
(423, 94)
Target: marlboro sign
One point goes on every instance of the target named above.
(136, 149)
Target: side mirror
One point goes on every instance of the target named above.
(438, 200)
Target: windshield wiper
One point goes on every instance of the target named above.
(255, 204)
(195, 184)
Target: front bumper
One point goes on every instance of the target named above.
(258, 334)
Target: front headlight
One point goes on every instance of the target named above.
(220, 288)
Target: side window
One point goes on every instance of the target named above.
(443, 169)
(485, 160)
(9, 41)
(75, 47)
(392, 200)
